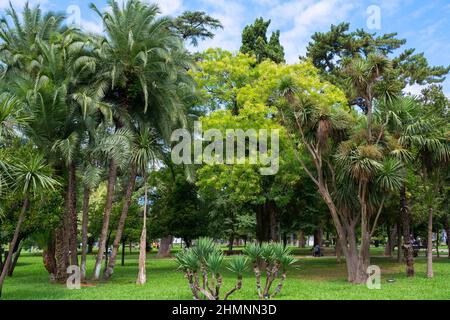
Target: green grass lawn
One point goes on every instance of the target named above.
(309, 278)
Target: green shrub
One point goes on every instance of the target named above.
(201, 265)
(273, 259)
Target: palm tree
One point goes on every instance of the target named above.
(49, 68)
(140, 52)
(20, 50)
(146, 153)
(31, 176)
(352, 174)
(362, 77)
(427, 138)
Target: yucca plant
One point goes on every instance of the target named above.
(273, 259)
(203, 263)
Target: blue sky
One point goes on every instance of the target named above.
(425, 24)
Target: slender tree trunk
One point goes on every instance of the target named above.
(392, 235)
(123, 216)
(84, 230)
(13, 242)
(142, 277)
(430, 244)
(73, 226)
(447, 231)
(274, 232)
(106, 216)
(369, 119)
(407, 241)
(338, 249)
(108, 241)
(258, 224)
(230, 242)
(399, 244)
(123, 252)
(164, 247)
(16, 256)
(437, 242)
(1, 257)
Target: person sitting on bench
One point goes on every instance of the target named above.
(316, 251)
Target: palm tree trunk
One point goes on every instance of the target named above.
(430, 244)
(369, 119)
(84, 230)
(48, 257)
(7, 263)
(405, 216)
(126, 205)
(106, 216)
(72, 190)
(61, 255)
(142, 277)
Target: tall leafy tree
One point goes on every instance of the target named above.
(144, 63)
(255, 42)
(30, 175)
(195, 25)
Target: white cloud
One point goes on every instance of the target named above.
(414, 89)
(91, 26)
(170, 7)
(232, 15)
(307, 17)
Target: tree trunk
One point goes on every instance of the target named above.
(164, 247)
(399, 244)
(48, 256)
(369, 119)
(391, 235)
(142, 277)
(405, 217)
(274, 232)
(61, 255)
(13, 242)
(16, 256)
(447, 231)
(84, 230)
(301, 239)
(430, 244)
(73, 226)
(338, 250)
(1, 257)
(318, 236)
(106, 216)
(123, 252)
(121, 226)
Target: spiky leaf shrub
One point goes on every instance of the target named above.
(201, 265)
(273, 259)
